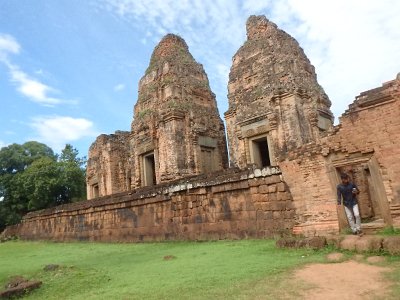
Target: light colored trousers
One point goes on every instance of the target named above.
(349, 213)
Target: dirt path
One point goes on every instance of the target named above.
(345, 280)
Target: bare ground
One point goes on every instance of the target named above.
(346, 280)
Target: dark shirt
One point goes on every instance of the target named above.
(346, 191)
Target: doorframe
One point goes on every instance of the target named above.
(376, 177)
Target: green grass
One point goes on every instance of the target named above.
(222, 269)
(389, 231)
(246, 269)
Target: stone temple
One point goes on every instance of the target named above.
(176, 131)
(168, 177)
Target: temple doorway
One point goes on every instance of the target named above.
(149, 169)
(372, 200)
(260, 153)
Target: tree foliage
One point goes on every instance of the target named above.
(32, 177)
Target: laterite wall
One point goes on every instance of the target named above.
(230, 204)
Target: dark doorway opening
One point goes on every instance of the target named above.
(261, 152)
(95, 190)
(149, 169)
(207, 159)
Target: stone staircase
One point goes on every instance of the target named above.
(373, 226)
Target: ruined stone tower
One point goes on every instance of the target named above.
(177, 131)
(275, 101)
(109, 164)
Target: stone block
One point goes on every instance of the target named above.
(260, 197)
(276, 215)
(369, 243)
(280, 196)
(286, 243)
(316, 242)
(272, 188)
(281, 187)
(349, 242)
(275, 206)
(253, 190)
(391, 244)
(268, 215)
(18, 287)
(263, 189)
(281, 205)
(272, 179)
(255, 182)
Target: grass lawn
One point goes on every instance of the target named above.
(207, 270)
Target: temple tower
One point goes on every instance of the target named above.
(275, 101)
(177, 131)
(109, 167)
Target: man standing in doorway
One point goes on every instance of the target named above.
(348, 191)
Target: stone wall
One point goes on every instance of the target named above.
(365, 145)
(230, 204)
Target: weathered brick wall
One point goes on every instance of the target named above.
(308, 177)
(366, 140)
(372, 125)
(230, 204)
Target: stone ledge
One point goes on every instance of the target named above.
(366, 243)
(187, 184)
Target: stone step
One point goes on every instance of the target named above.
(390, 244)
(395, 208)
(373, 227)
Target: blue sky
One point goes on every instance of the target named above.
(69, 69)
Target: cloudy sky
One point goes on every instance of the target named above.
(69, 69)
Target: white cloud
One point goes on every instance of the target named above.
(8, 44)
(28, 86)
(56, 131)
(32, 88)
(354, 44)
(213, 29)
(119, 87)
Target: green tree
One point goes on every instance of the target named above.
(32, 177)
(72, 176)
(39, 183)
(14, 160)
